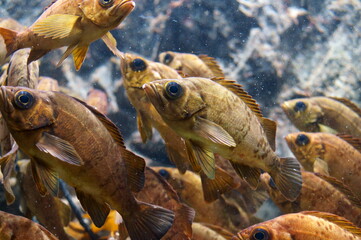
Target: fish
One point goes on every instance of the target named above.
(14, 227)
(47, 84)
(98, 99)
(136, 72)
(203, 231)
(324, 114)
(223, 212)
(72, 23)
(192, 65)
(319, 193)
(50, 211)
(328, 154)
(10, 24)
(65, 138)
(234, 129)
(305, 225)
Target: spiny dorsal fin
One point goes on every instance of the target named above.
(354, 142)
(109, 125)
(349, 104)
(339, 221)
(212, 64)
(342, 188)
(237, 89)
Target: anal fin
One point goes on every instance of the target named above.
(79, 54)
(46, 180)
(144, 127)
(205, 160)
(135, 170)
(249, 174)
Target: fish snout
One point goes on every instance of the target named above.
(6, 103)
(123, 9)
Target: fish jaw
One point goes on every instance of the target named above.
(6, 105)
(152, 92)
(123, 9)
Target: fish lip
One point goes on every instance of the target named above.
(153, 95)
(127, 5)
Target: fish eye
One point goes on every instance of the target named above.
(168, 58)
(260, 234)
(300, 106)
(164, 173)
(24, 99)
(302, 140)
(138, 65)
(173, 90)
(106, 3)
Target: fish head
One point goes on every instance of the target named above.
(171, 59)
(269, 230)
(107, 13)
(306, 147)
(175, 99)
(303, 113)
(25, 108)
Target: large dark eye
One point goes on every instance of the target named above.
(173, 90)
(302, 140)
(138, 65)
(300, 106)
(164, 173)
(260, 234)
(106, 3)
(168, 58)
(24, 99)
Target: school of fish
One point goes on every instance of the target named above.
(76, 179)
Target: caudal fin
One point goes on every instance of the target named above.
(9, 38)
(150, 222)
(288, 178)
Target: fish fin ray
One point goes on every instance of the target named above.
(213, 132)
(354, 142)
(37, 179)
(339, 185)
(349, 104)
(288, 178)
(192, 157)
(79, 54)
(149, 222)
(66, 54)
(9, 39)
(270, 128)
(249, 174)
(57, 26)
(111, 43)
(214, 188)
(321, 166)
(326, 129)
(237, 89)
(47, 177)
(339, 221)
(59, 148)
(205, 160)
(212, 64)
(144, 127)
(186, 216)
(64, 211)
(97, 211)
(7, 167)
(135, 166)
(177, 151)
(35, 54)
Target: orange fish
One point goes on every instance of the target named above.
(72, 23)
(10, 24)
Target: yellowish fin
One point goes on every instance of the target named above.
(205, 160)
(111, 43)
(212, 64)
(144, 127)
(10, 40)
(57, 26)
(326, 129)
(320, 166)
(79, 54)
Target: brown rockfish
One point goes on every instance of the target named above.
(72, 23)
(66, 138)
(319, 193)
(324, 114)
(328, 154)
(14, 227)
(218, 116)
(192, 65)
(307, 225)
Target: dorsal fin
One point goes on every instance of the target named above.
(212, 64)
(237, 89)
(349, 104)
(270, 128)
(339, 185)
(354, 142)
(339, 221)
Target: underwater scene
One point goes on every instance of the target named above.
(180, 120)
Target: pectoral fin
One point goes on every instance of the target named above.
(59, 148)
(144, 127)
(45, 179)
(57, 26)
(98, 211)
(111, 43)
(205, 160)
(326, 129)
(192, 157)
(320, 166)
(213, 132)
(249, 174)
(79, 54)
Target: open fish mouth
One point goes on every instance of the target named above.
(153, 95)
(123, 9)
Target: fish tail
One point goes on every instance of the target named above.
(149, 222)
(10, 40)
(288, 178)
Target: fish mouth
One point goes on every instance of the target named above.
(285, 106)
(7, 105)
(153, 95)
(123, 9)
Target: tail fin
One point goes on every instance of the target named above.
(9, 38)
(150, 222)
(288, 179)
